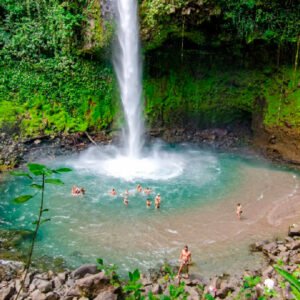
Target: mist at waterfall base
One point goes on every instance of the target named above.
(199, 192)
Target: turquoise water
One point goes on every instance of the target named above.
(98, 225)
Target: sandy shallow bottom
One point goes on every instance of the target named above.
(82, 230)
(218, 240)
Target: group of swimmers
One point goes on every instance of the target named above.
(77, 191)
(147, 191)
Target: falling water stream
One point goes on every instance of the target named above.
(127, 64)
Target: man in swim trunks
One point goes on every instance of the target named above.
(185, 259)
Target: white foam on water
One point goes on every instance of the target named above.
(154, 164)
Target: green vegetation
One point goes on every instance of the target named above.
(47, 100)
(46, 87)
(39, 176)
(221, 97)
(293, 280)
(232, 59)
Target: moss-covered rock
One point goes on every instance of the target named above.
(97, 31)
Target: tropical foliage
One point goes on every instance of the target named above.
(39, 176)
(56, 75)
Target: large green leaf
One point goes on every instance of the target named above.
(290, 278)
(22, 199)
(38, 169)
(19, 173)
(209, 297)
(136, 275)
(54, 181)
(37, 186)
(62, 170)
(296, 292)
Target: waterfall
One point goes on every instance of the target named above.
(127, 64)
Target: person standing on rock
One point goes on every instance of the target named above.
(185, 259)
(239, 210)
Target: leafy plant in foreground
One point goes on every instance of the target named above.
(133, 286)
(39, 175)
(292, 279)
(109, 270)
(248, 288)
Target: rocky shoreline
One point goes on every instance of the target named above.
(100, 283)
(15, 152)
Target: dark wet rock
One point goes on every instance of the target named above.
(85, 269)
(7, 292)
(294, 230)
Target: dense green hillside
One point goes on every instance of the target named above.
(206, 63)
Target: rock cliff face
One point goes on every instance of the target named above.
(279, 143)
(97, 30)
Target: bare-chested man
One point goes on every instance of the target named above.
(185, 259)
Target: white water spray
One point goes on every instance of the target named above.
(154, 162)
(127, 65)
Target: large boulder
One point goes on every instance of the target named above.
(92, 286)
(7, 292)
(83, 270)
